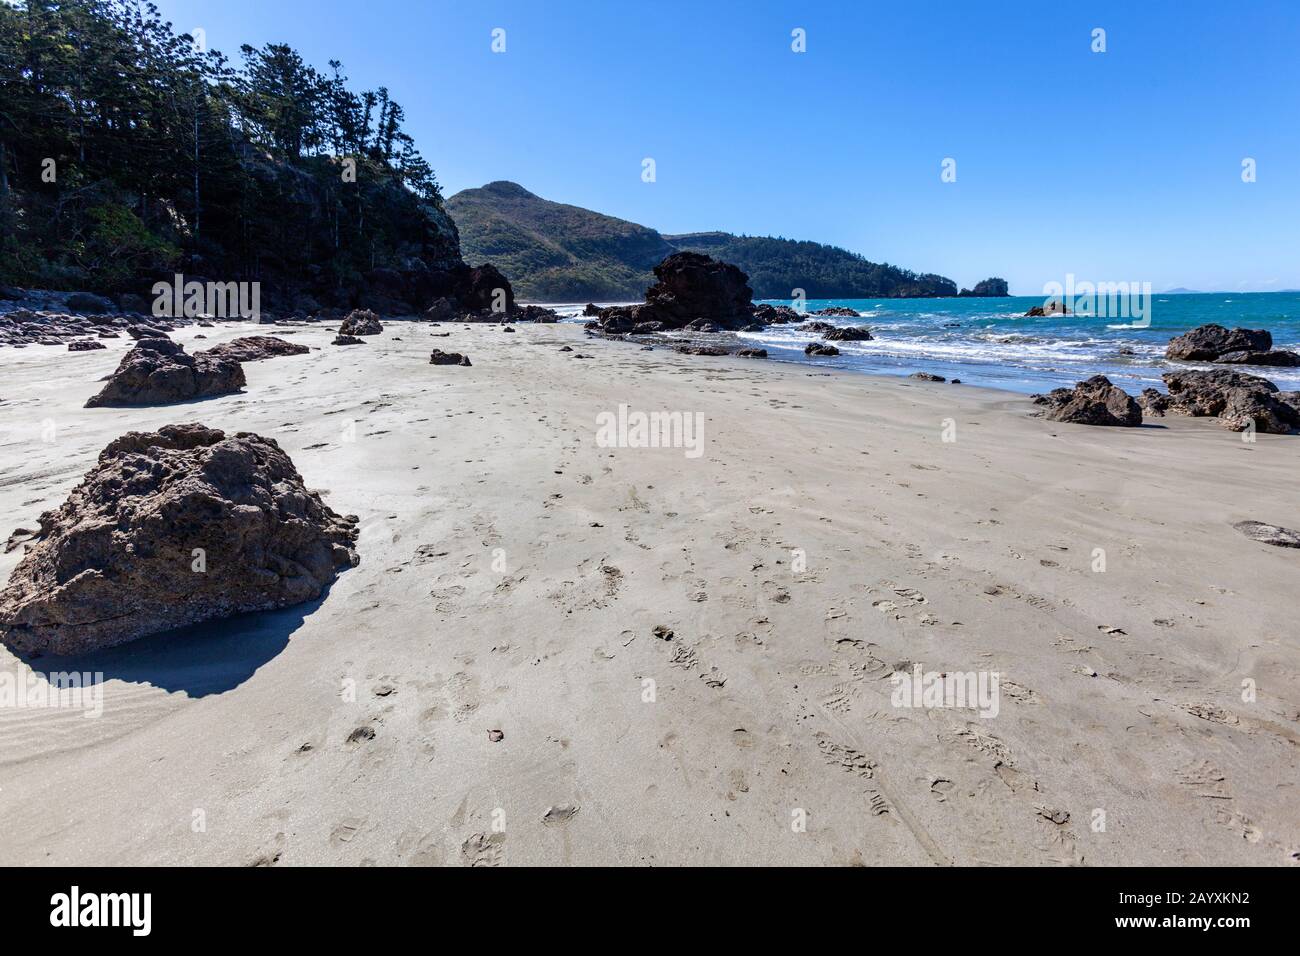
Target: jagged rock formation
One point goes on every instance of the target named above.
(361, 322)
(1094, 401)
(1214, 343)
(693, 292)
(1240, 401)
(173, 527)
(254, 348)
(159, 372)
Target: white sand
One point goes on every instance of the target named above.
(772, 701)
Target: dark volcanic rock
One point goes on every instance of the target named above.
(1207, 343)
(1276, 357)
(591, 310)
(139, 332)
(440, 311)
(702, 350)
(1154, 402)
(347, 340)
(439, 357)
(158, 372)
(361, 322)
(1237, 399)
(820, 348)
(766, 314)
(1092, 402)
(254, 348)
(1053, 307)
(927, 377)
(1269, 534)
(840, 311)
(692, 288)
(752, 353)
(534, 313)
(88, 304)
(85, 345)
(170, 528)
(485, 289)
(851, 333)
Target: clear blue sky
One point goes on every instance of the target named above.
(1117, 166)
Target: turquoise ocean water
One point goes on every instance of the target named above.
(991, 342)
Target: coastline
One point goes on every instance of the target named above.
(773, 695)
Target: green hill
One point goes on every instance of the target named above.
(555, 252)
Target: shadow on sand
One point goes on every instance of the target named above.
(200, 659)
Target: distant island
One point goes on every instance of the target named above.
(556, 252)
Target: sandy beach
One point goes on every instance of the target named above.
(513, 572)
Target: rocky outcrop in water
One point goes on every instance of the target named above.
(1094, 401)
(1238, 400)
(1207, 343)
(1214, 343)
(837, 310)
(1053, 307)
(254, 348)
(838, 333)
(820, 348)
(159, 372)
(173, 527)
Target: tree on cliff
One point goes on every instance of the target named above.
(128, 150)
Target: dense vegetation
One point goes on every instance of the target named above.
(554, 252)
(128, 151)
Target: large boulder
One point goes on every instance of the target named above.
(485, 289)
(361, 322)
(87, 303)
(693, 290)
(1240, 401)
(1094, 401)
(159, 372)
(173, 527)
(1208, 343)
(254, 348)
(694, 286)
